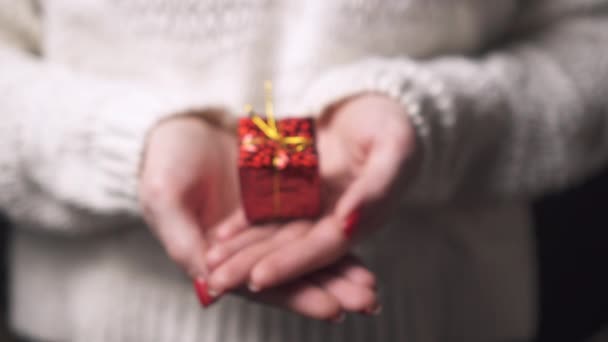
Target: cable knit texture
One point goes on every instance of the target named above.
(506, 97)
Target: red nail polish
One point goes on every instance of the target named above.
(202, 291)
(338, 319)
(374, 311)
(352, 221)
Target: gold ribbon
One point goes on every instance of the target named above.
(269, 127)
(272, 132)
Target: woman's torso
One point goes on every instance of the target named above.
(433, 262)
(227, 48)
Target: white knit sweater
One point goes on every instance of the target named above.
(508, 98)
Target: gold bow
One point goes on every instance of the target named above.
(270, 128)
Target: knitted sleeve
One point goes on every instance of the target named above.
(71, 143)
(526, 117)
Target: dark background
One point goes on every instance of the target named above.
(4, 230)
(572, 236)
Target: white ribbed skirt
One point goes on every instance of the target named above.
(457, 276)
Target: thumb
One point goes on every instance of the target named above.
(379, 171)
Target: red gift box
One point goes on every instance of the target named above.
(278, 169)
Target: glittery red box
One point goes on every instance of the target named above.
(279, 181)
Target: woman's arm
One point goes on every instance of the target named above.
(525, 118)
(71, 143)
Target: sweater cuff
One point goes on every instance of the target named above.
(120, 140)
(427, 103)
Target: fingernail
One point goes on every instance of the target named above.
(205, 296)
(338, 319)
(213, 293)
(352, 221)
(254, 288)
(374, 311)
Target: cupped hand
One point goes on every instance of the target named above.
(327, 294)
(363, 144)
(232, 259)
(188, 184)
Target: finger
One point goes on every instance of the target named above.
(201, 288)
(352, 269)
(351, 296)
(235, 271)
(224, 250)
(380, 169)
(302, 297)
(183, 239)
(234, 224)
(322, 246)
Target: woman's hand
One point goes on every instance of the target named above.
(327, 294)
(363, 143)
(233, 257)
(189, 183)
